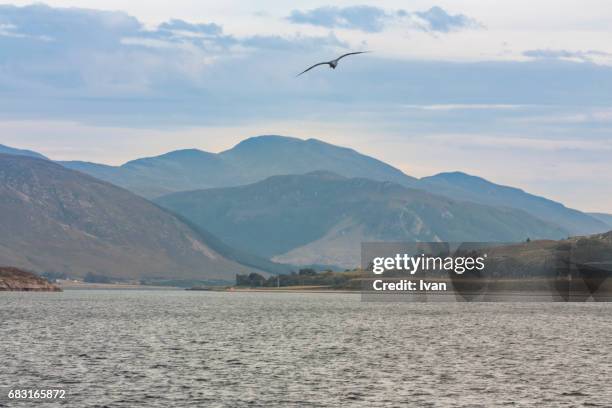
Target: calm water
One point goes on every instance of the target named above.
(179, 349)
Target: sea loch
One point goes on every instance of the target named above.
(177, 348)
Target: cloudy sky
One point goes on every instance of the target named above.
(519, 92)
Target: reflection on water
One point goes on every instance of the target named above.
(174, 349)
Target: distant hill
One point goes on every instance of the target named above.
(322, 218)
(56, 220)
(266, 156)
(605, 218)
(20, 152)
(461, 186)
(252, 160)
(175, 171)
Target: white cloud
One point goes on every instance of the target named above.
(467, 106)
(376, 19)
(578, 56)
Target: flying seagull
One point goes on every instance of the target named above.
(333, 63)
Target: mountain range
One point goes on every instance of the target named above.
(322, 217)
(257, 158)
(251, 160)
(59, 221)
(296, 201)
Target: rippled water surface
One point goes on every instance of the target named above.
(179, 349)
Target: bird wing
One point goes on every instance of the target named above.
(308, 69)
(351, 53)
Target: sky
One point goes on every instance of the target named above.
(518, 92)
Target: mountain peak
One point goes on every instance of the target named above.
(192, 151)
(457, 176)
(175, 155)
(456, 173)
(264, 141)
(183, 153)
(20, 152)
(186, 154)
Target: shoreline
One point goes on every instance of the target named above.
(72, 285)
(17, 280)
(291, 289)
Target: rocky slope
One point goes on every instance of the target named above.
(322, 218)
(13, 279)
(56, 220)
